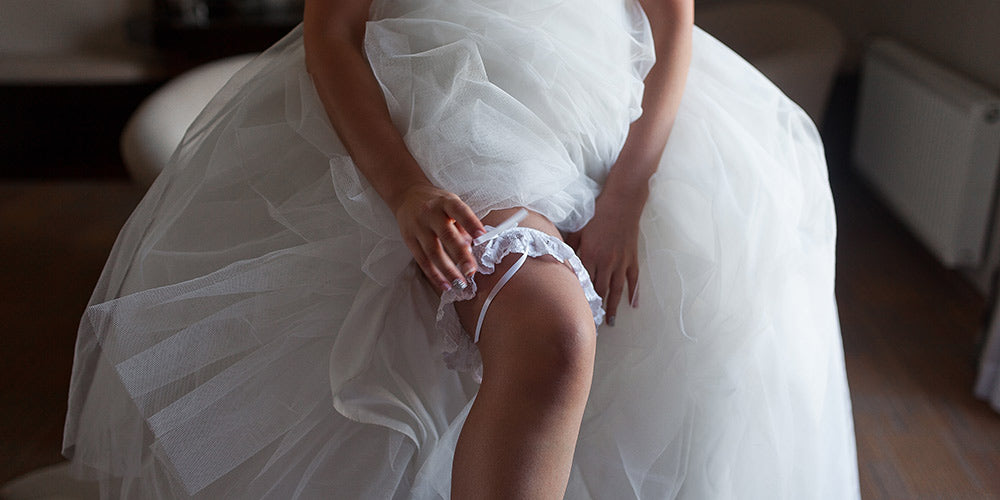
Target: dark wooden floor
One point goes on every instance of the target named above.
(910, 332)
(911, 335)
(54, 237)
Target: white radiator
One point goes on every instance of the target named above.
(928, 140)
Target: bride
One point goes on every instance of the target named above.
(400, 256)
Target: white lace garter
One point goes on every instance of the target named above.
(460, 351)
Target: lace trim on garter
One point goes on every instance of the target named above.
(460, 353)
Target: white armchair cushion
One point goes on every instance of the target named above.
(157, 126)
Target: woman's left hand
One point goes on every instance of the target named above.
(608, 246)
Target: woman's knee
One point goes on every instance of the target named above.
(563, 342)
(540, 332)
(550, 363)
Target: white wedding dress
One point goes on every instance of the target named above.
(261, 332)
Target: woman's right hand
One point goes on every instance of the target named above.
(436, 225)
(438, 228)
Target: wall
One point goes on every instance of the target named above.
(963, 34)
(64, 26)
(71, 42)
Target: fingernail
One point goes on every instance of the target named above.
(444, 286)
(635, 300)
(611, 321)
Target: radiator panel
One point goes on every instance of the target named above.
(928, 141)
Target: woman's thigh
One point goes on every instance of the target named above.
(540, 315)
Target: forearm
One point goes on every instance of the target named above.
(672, 22)
(352, 98)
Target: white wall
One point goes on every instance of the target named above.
(963, 34)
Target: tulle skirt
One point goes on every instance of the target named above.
(260, 330)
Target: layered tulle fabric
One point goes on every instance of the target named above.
(260, 332)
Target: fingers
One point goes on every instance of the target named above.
(438, 228)
(443, 264)
(616, 285)
(632, 275)
(429, 269)
(465, 219)
(457, 245)
(453, 254)
(610, 273)
(439, 267)
(441, 244)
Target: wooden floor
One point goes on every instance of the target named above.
(910, 332)
(54, 238)
(911, 337)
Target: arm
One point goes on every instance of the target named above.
(608, 245)
(436, 225)
(671, 22)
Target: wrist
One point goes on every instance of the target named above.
(396, 196)
(628, 179)
(631, 194)
(395, 191)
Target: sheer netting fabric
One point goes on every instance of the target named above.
(260, 330)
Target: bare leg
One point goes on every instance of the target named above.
(537, 345)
